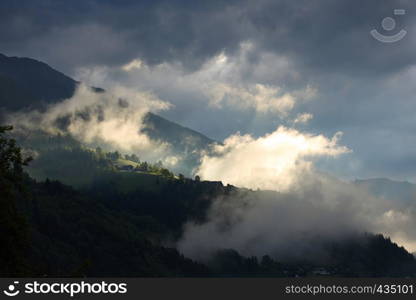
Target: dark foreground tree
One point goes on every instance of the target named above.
(12, 225)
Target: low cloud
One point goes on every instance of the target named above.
(298, 224)
(294, 225)
(271, 162)
(111, 119)
(299, 211)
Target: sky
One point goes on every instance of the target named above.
(245, 67)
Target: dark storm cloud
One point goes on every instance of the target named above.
(69, 34)
(333, 35)
(321, 35)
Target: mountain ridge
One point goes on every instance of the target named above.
(27, 84)
(402, 191)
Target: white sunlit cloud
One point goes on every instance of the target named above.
(303, 118)
(134, 64)
(114, 121)
(222, 81)
(271, 162)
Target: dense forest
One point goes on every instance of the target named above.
(123, 216)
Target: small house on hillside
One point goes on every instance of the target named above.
(126, 168)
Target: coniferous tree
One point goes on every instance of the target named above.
(12, 225)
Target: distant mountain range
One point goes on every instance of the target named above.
(402, 192)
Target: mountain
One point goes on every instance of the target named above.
(181, 138)
(402, 191)
(27, 83)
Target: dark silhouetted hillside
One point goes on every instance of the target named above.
(28, 83)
